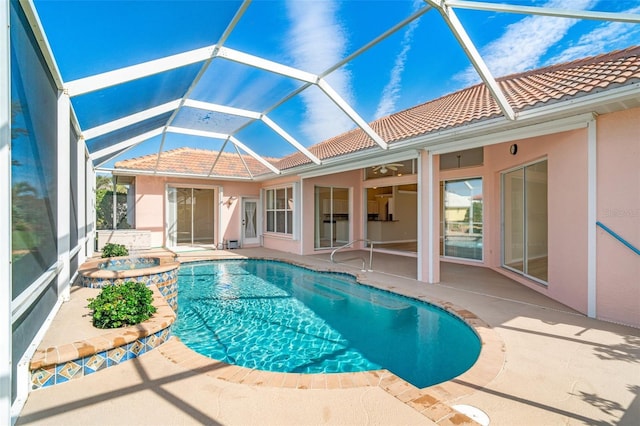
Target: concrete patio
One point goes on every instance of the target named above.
(554, 366)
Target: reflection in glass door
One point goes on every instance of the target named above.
(462, 213)
(191, 216)
(524, 206)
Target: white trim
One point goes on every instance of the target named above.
(125, 144)
(130, 119)
(459, 32)
(132, 172)
(465, 139)
(265, 64)
(81, 197)
(431, 206)
(43, 43)
(223, 109)
(195, 132)
(348, 163)
(286, 136)
(353, 115)
(111, 78)
(532, 10)
(249, 151)
(592, 208)
(6, 332)
(64, 196)
(421, 209)
(22, 368)
(28, 297)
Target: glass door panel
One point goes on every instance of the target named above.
(183, 226)
(463, 219)
(332, 226)
(536, 220)
(323, 221)
(190, 216)
(202, 207)
(514, 219)
(525, 227)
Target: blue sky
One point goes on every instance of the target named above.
(420, 62)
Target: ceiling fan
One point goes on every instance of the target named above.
(384, 168)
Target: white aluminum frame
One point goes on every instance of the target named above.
(5, 217)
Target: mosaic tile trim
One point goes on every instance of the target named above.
(164, 276)
(71, 370)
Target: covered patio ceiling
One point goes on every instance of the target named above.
(267, 78)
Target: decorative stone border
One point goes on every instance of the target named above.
(434, 402)
(161, 272)
(59, 364)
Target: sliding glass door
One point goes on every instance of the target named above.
(332, 225)
(191, 216)
(462, 218)
(524, 206)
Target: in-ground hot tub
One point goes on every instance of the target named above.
(160, 271)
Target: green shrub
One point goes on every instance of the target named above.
(114, 250)
(120, 305)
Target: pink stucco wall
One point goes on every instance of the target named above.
(151, 205)
(618, 207)
(566, 154)
(350, 180)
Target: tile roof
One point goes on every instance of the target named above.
(525, 90)
(197, 161)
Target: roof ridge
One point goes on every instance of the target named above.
(593, 59)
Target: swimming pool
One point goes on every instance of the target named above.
(275, 316)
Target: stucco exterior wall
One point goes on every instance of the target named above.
(566, 155)
(618, 208)
(351, 180)
(151, 207)
(285, 243)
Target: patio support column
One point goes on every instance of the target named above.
(592, 250)
(64, 191)
(81, 159)
(90, 202)
(429, 218)
(5, 217)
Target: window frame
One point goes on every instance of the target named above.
(272, 211)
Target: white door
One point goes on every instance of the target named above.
(250, 222)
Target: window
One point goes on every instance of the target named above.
(524, 209)
(123, 198)
(462, 218)
(280, 210)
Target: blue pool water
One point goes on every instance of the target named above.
(279, 317)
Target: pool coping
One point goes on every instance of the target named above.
(91, 268)
(434, 402)
(52, 356)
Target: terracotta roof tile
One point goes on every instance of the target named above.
(523, 91)
(196, 161)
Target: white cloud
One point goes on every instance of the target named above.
(524, 43)
(316, 41)
(391, 91)
(607, 36)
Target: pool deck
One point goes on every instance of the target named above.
(541, 363)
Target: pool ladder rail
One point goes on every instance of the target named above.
(364, 261)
